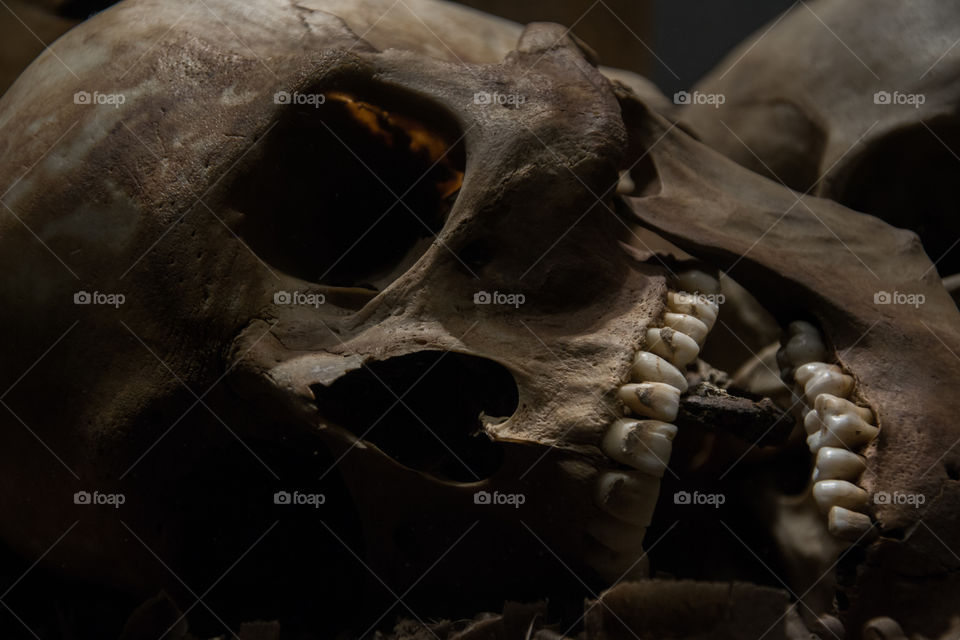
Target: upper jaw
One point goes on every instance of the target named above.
(804, 256)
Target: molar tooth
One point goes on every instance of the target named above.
(698, 281)
(630, 496)
(652, 399)
(644, 445)
(804, 344)
(845, 425)
(818, 378)
(649, 367)
(839, 493)
(695, 305)
(848, 525)
(616, 535)
(678, 348)
(838, 464)
(687, 324)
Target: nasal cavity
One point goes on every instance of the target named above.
(426, 410)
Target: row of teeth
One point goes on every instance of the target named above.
(644, 443)
(836, 429)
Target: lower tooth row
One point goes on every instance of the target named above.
(629, 496)
(835, 428)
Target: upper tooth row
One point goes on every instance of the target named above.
(835, 426)
(629, 497)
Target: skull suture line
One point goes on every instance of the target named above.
(219, 191)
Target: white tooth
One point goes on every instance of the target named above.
(678, 348)
(652, 399)
(838, 464)
(804, 344)
(699, 282)
(845, 424)
(847, 524)
(649, 367)
(811, 422)
(839, 493)
(697, 306)
(616, 535)
(626, 185)
(818, 378)
(687, 324)
(630, 496)
(644, 445)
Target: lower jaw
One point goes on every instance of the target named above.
(807, 490)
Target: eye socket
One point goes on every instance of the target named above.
(349, 193)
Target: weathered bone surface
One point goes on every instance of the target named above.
(856, 102)
(829, 264)
(189, 199)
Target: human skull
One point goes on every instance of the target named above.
(396, 275)
(854, 102)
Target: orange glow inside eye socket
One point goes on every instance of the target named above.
(394, 129)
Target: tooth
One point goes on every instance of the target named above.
(687, 324)
(652, 399)
(885, 628)
(838, 464)
(644, 445)
(616, 535)
(845, 424)
(839, 493)
(695, 305)
(847, 524)
(626, 185)
(811, 422)
(649, 367)
(818, 378)
(630, 496)
(803, 345)
(678, 348)
(698, 281)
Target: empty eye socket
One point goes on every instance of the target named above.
(348, 193)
